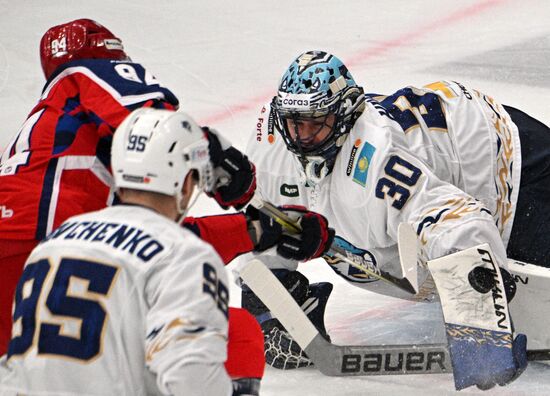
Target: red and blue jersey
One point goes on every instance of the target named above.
(58, 164)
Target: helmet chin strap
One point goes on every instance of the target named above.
(183, 210)
(314, 170)
(316, 167)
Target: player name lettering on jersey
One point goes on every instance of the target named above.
(121, 236)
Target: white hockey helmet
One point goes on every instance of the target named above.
(154, 150)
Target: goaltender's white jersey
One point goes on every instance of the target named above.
(443, 158)
(117, 302)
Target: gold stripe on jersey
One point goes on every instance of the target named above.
(451, 210)
(442, 87)
(504, 161)
(172, 333)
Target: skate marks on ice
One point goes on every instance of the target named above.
(358, 317)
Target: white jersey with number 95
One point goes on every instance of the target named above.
(117, 302)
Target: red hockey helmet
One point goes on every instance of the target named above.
(78, 39)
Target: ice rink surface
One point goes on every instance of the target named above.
(224, 59)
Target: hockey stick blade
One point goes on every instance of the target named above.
(336, 253)
(407, 244)
(538, 354)
(351, 360)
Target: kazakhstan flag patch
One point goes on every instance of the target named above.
(362, 165)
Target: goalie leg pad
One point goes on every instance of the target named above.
(478, 324)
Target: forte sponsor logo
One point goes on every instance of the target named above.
(402, 362)
(259, 129)
(259, 125)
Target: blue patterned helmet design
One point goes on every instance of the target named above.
(319, 77)
(316, 85)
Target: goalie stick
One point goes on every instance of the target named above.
(350, 360)
(408, 283)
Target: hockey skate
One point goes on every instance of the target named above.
(281, 351)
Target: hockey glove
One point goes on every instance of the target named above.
(314, 240)
(235, 174)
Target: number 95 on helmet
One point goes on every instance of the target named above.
(154, 150)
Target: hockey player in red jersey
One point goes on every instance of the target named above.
(58, 164)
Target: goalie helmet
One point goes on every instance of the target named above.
(315, 86)
(154, 150)
(78, 39)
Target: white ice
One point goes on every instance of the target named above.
(223, 60)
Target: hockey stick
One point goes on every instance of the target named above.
(351, 360)
(408, 283)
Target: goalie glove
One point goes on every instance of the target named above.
(313, 241)
(235, 174)
(281, 350)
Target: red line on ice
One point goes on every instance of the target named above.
(366, 55)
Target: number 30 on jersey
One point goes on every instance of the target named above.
(400, 177)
